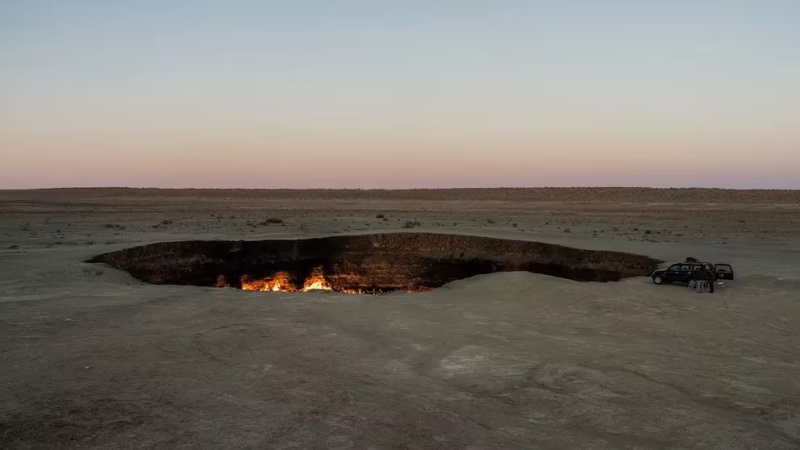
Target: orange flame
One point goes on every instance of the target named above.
(316, 282)
(281, 282)
(278, 282)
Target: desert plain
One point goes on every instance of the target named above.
(91, 357)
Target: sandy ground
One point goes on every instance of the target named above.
(93, 358)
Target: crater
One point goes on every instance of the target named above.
(370, 264)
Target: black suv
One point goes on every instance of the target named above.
(687, 272)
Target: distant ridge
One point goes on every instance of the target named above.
(555, 194)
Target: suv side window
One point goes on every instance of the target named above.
(674, 268)
(686, 268)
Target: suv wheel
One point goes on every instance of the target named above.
(658, 280)
(692, 283)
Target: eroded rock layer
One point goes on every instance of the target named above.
(366, 263)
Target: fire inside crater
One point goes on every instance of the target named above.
(373, 264)
(280, 282)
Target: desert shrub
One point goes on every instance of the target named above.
(515, 225)
(272, 221)
(163, 223)
(411, 223)
(380, 216)
(567, 230)
(13, 247)
(115, 226)
(489, 220)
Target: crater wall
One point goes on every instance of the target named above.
(368, 263)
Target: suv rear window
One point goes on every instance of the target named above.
(724, 268)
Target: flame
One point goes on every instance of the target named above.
(281, 282)
(316, 285)
(278, 282)
(316, 282)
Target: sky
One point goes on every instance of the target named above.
(400, 94)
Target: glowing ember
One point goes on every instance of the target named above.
(221, 282)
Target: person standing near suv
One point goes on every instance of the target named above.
(712, 277)
(703, 277)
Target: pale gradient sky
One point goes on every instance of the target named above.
(387, 94)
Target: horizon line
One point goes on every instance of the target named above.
(391, 189)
